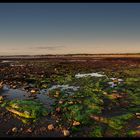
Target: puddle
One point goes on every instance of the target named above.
(6, 61)
(43, 96)
(13, 93)
(22, 94)
(46, 100)
(64, 87)
(89, 74)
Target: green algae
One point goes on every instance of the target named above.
(26, 108)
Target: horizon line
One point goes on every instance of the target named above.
(72, 54)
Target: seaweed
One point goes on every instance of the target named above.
(26, 108)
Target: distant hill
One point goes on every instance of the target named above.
(69, 55)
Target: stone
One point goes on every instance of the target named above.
(1, 85)
(14, 86)
(115, 96)
(138, 114)
(66, 132)
(56, 96)
(60, 102)
(70, 103)
(138, 117)
(50, 127)
(14, 129)
(75, 123)
(29, 130)
(33, 91)
(1, 98)
(57, 93)
(58, 109)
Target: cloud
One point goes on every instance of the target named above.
(48, 47)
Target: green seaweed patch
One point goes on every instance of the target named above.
(118, 122)
(96, 132)
(131, 133)
(26, 108)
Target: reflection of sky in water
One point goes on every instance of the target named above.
(21, 94)
(88, 74)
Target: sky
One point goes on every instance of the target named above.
(69, 28)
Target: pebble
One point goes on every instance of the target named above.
(58, 109)
(1, 83)
(1, 98)
(14, 129)
(14, 86)
(66, 132)
(29, 130)
(138, 126)
(21, 129)
(33, 91)
(60, 102)
(70, 102)
(57, 93)
(75, 123)
(138, 114)
(50, 127)
(56, 96)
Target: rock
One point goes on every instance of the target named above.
(50, 127)
(97, 118)
(115, 80)
(14, 129)
(26, 112)
(14, 86)
(57, 93)
(114, 91)
(21, 129)
(60, 102)
(120, 80)
(75, 123)
(115, 96)
(66, 132)
(58, 109)
(29, 130)
(70, 103)
(104, 93)
(1, 85)
(137, 133)
(124, 93)
(138, 126)
(1, 98)
(138, 114)
(56, 96)
(138, 117)
(33, 91)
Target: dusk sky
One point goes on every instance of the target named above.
(69, 28)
